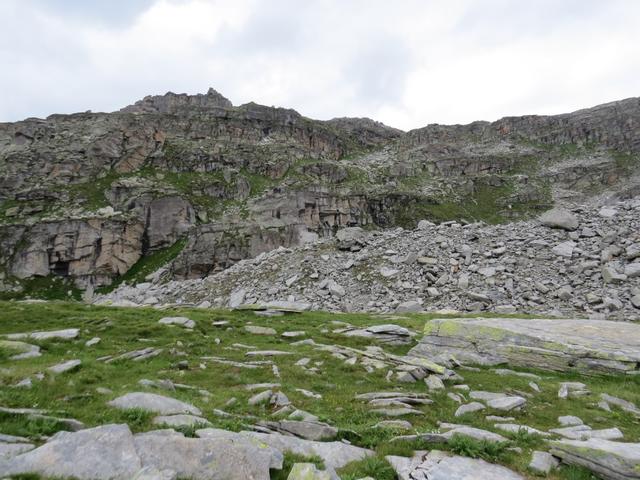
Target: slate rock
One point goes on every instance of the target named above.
(154, 403)
(610, 460)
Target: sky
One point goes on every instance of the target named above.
(407, 63)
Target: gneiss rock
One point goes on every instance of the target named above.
(305, 429)
(66, 334)
(181, 421)
(181, 321)
(543, 462)
(102, 453)
(559, 218)
(20, 350)
(335, 454)
(154, 403)
(65, 366)
(610, 460)
(587, 346)
(308, 471)
(437, 465)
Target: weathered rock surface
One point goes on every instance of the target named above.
(587, 346)
(155, 403)
(610, 460)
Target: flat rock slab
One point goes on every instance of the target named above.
(65, 366)
(181, 421)
(20, 350)
(180, 321)
(437, 465)
(610, 460)
(203, 458)
(586, 346)
(101, 453)
(335, 454)
(154, 403)
(67, 334)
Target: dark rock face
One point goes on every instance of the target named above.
(87, 195)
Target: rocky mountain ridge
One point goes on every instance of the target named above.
(91, 197)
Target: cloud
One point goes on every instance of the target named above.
(408, 64)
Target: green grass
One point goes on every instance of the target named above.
(51, 287)
(74, 393)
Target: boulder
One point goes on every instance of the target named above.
(154, 403)
(610, 460)
(586, 346)
(559, 218)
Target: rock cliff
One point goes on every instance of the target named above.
(88, 196)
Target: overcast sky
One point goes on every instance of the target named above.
(406, 63)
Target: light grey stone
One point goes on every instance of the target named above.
(154, 403)
(543, 462)
(63, 367)
(469, 408)
(559, 218)
(610, 460)
(181, 420)
(256, 330)
(506, 403)
(180, 321)
(586, 346)
(101, 453)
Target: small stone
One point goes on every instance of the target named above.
(543, 462)
(180, 321)
(65, 366)
(434, 382)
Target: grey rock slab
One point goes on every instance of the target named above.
(506, 403)
(256, 330)
(180, 420)
(559, 218)
(335, 454)
(65, 366)
(395, 394)
(154, 403)
(262, 397)
(564, 249)
(203, 458)
(433, 383)
(238, 437)
(8, 450)
(302, 429)
(569, 420)
(586, 346)
(515, 428)
(394, 424)
(625, 405)
(20, 350)
(469, 408)
(12, 439)
(486, 396)
(180, 321)
(107, 452)
(261, 386)
(308, 471)
(267, 353)
(610, 460)
(543, 462)
(152, 473)
(66, 334)
(442, 466)
(396, 412)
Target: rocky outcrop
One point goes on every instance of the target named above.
(242, 180)
(92, 250)
(587, 346)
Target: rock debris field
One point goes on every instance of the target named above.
(578, 262)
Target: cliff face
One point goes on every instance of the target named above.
(89, 195)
